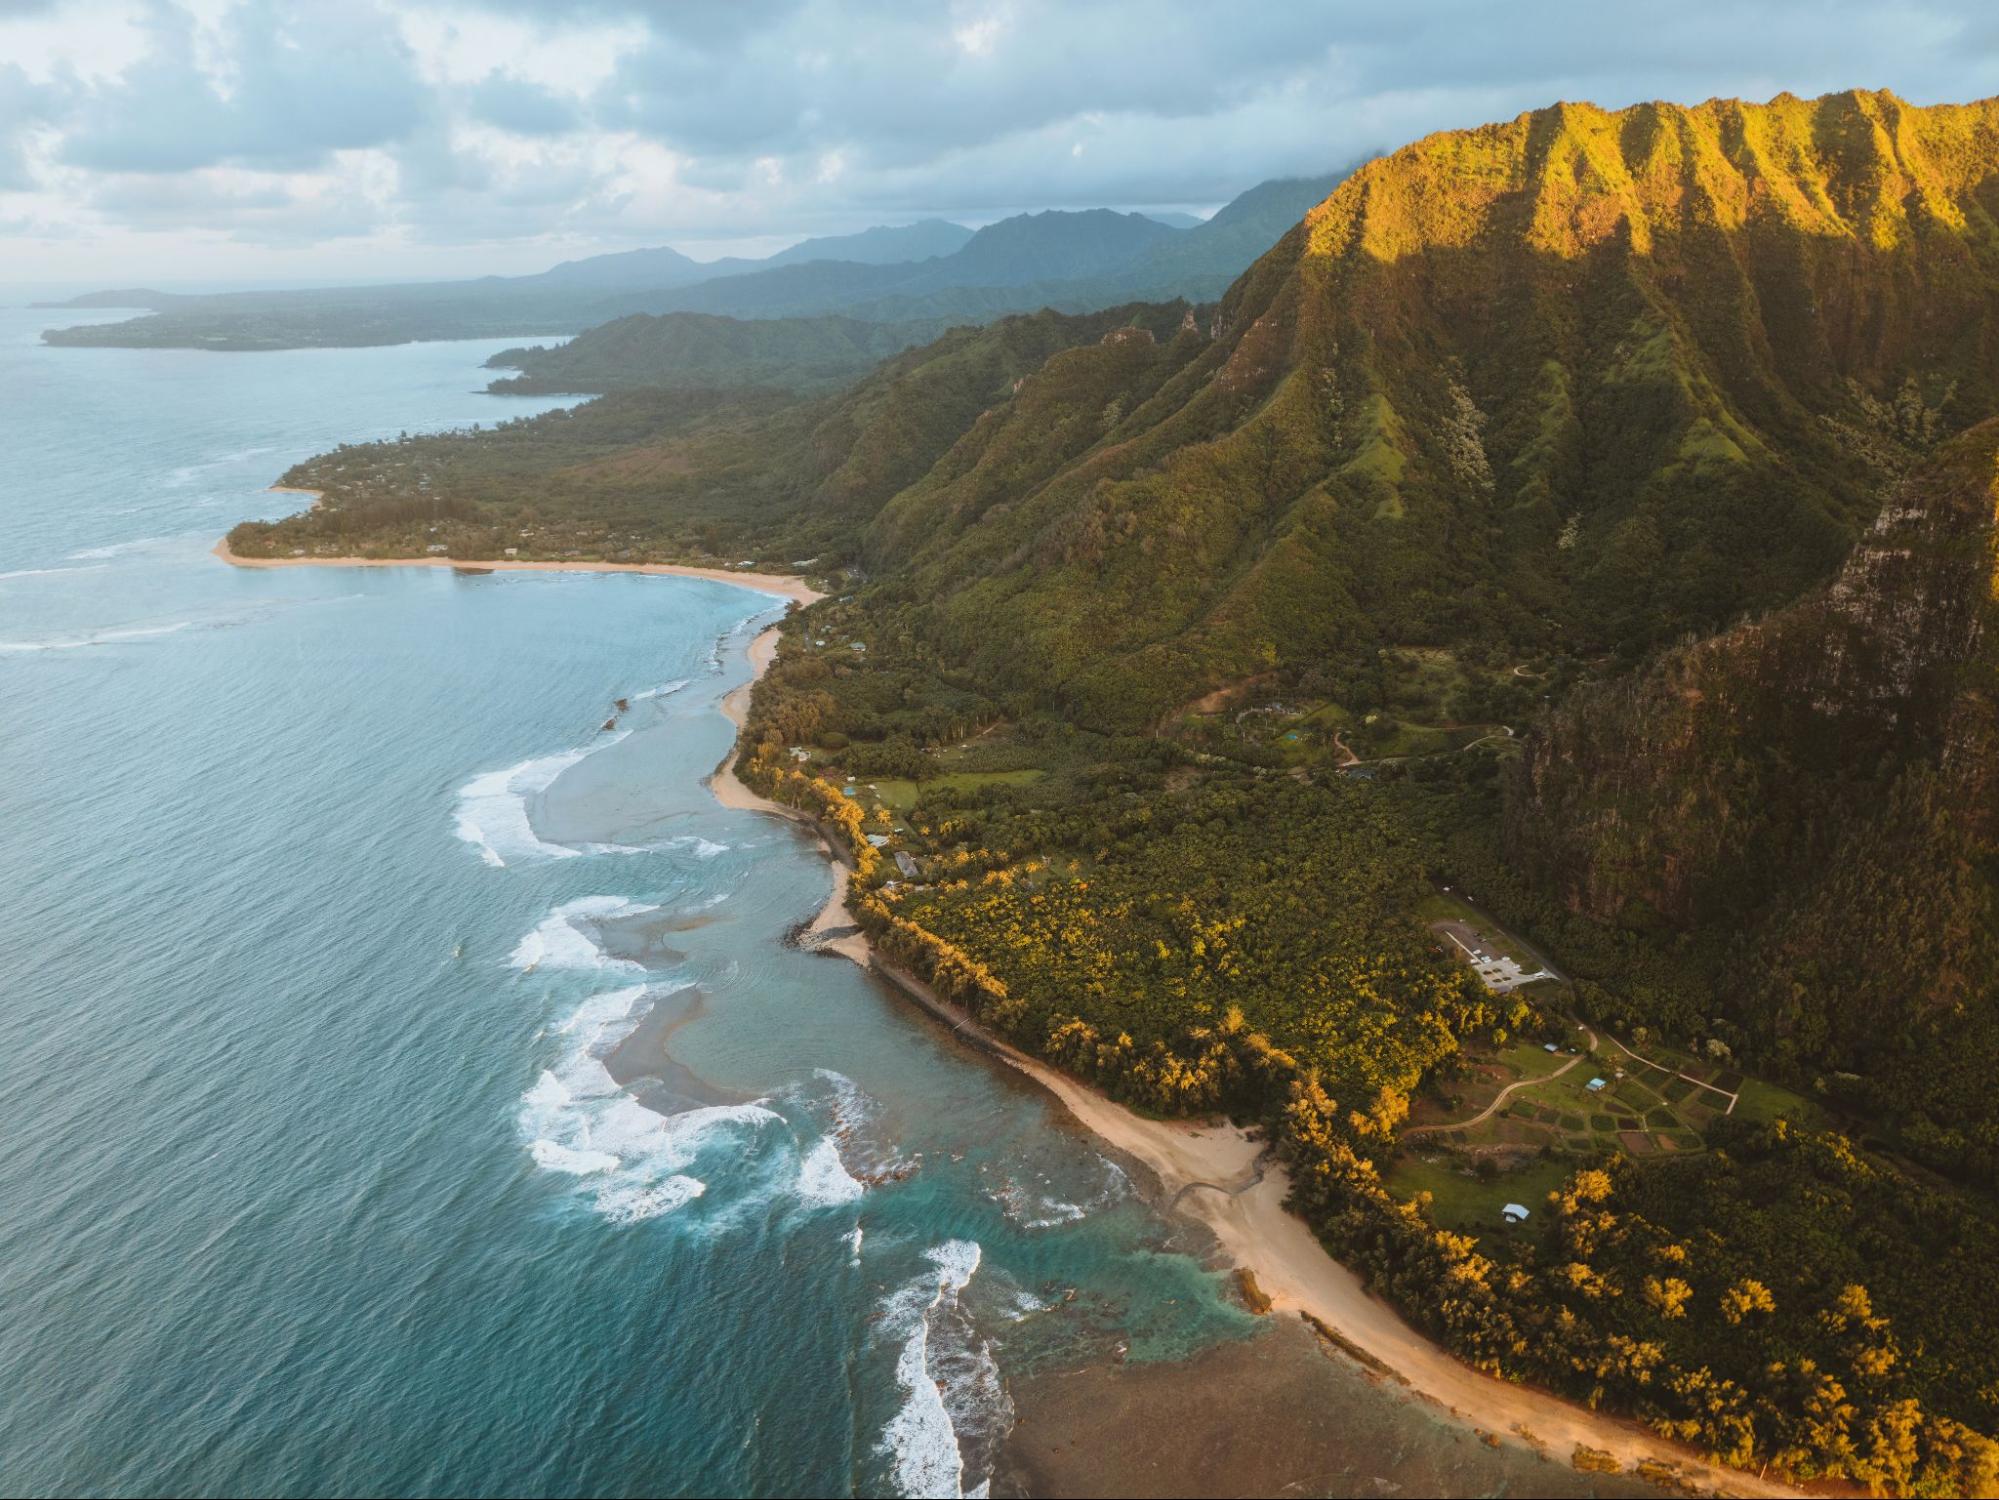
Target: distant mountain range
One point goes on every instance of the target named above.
(663, 267)
(932, 272)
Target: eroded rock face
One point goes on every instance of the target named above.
(1815, 797)
(1651, 789)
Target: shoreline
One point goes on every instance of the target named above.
(1218, 1176)
(1214, 1173)
(728, 790)
(784, 585)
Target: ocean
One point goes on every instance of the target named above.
(406, 1084)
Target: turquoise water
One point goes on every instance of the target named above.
(324, 900)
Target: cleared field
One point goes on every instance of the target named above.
(1762, 1102)
(1462, 1201)
(1487, 1074)
(1635, 1114)
(901, 796)
(1442, 906)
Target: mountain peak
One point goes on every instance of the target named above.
(1857, 165)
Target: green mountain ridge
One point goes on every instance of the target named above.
(1816, 796)
(1356, 461)
(679, 351)
(1621, 484)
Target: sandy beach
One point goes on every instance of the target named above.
(781, 584)
(846, 937)
(1218, 1175)
(1211, 1171)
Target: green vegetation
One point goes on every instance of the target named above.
(1197, 645)
(688, 351)
(1810, 800)
(1466, 1200)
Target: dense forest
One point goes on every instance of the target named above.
(1589, 511)
(1815, 794)
(688, 351)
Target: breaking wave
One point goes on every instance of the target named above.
(47, 572)
(95, 638)
(561, 941)
(955, 1409)
(664, 690)
(493, 808)
(577, 1121)
(116, 549)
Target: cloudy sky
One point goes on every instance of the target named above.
(178, 141)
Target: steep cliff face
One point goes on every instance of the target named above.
(1822, 785)
(1585, 379)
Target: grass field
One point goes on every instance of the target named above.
(1762, 1102)
(901, 796)
(1637, 1113)
(1460, 1200)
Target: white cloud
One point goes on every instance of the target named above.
(508, 127)
(977, 38)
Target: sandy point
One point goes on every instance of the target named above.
(784, 585)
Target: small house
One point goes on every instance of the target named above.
(1514, 1213)
(1551, 1047)
(1596, 1085)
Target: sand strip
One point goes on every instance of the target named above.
(1213, 1172)
(780, 584)
(1217, 1175)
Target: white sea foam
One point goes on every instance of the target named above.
(493, 809)
(701, 848)
(949, 1379)
(94, 638)
(664, 690)
(851, 1112)
(823, 1179)
(1030, 1202)
(1032, 1208)
(576, 1121)
(562, 1159)
(186, 474)
(1026, 1304)
(115, 549)
(561, 943)
(48, 572)
(629, 1205)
